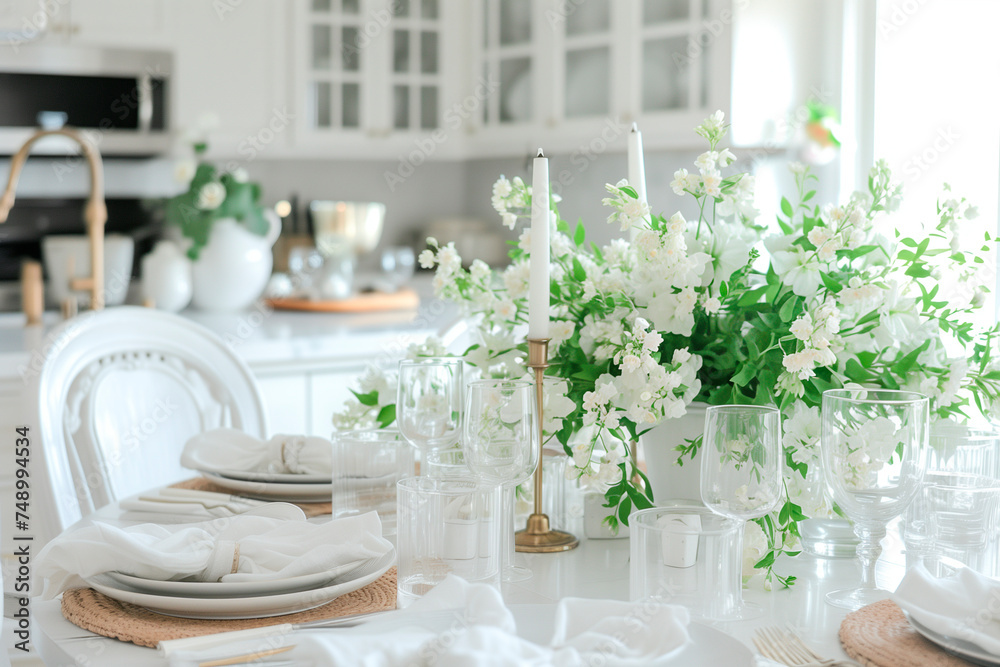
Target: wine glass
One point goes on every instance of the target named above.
(429, 403)
(741, 461)
(500, 442)
(874, 447)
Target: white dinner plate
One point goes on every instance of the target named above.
(236, 589)
(246, 607)
(273, 477)
(959, 647)
(303, 493)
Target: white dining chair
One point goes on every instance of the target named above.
(119, 393)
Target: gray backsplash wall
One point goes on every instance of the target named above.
(437, 190)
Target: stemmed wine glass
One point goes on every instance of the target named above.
(874, 447)
(429, 403)
(501, 445)
(741, 461)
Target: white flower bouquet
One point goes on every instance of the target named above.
(689, 310)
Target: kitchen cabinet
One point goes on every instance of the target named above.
(300, 402)
(105, 23)
(374, 78)
(569, 72)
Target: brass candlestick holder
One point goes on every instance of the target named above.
(538, 537)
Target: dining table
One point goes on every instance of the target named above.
(598, 568)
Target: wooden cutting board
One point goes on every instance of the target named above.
(404, 299)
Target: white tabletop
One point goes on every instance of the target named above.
(596, 569)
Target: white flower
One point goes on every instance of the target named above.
(681, 182)
(502, 188)
(794, 265)
(726, 157)
(515, 279)
(509, 220)
(505, 309)
(712, 182)
(712, 305)
(479, 270)
(211, 196)
(797, 168)
(818, 236)
(524, 241)
(184, 171)
(706, 161)
(802, 328)
(426, 259)
(449, 259)
(240, 175)
(800, 363)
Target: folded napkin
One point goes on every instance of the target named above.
(224, 450)
(482, 633)
(271, 542)
(965, 605)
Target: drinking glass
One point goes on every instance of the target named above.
(366, 466)
(500, 442)
(741, 461)
(874, 449)
(429, 403)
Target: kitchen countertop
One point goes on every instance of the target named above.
(269, 339)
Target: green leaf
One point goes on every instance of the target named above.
(370, 399)
(745, 374)
(624, 509)
(786, 207)
(386, 416)
(787, 311)
(830, 282)
(579, 234)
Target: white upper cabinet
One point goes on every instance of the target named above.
(420, 80)
(572, 70)
(373, 76)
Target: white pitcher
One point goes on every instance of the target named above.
(233, 268)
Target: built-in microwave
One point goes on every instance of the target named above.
(119, 98)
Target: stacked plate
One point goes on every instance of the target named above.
(243, 599)
(288, 487)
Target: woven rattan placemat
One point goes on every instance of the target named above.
(98, 613)
(880, 636)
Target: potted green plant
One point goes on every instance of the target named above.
(226, 233)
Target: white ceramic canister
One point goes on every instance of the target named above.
(166, 277)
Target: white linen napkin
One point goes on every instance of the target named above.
(271, 542)
(482, 634)
(225, 449)
(965, 605)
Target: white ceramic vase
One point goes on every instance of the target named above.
(233, 268)
(166, 277)
(669, 480)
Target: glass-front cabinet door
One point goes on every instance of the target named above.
(416, 64)
(369, 71)
(509, 46)
(335, 56)
(572, 69)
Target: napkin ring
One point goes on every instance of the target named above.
(290, 455)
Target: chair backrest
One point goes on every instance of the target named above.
(119, 393)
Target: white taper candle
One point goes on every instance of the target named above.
(636, 168)
(538, 292)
